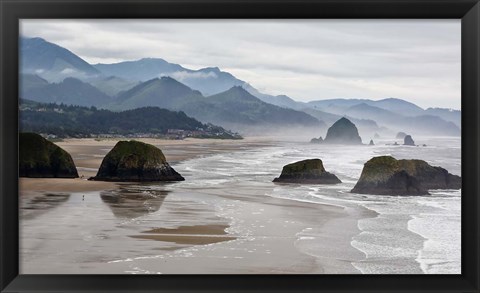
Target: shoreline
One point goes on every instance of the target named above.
(88, 153)
(239, 232)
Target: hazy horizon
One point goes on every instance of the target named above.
(415, 60)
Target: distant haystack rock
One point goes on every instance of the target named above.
(308, 172)
(408, 140)
(40, 158)
(387, 176)
(136, 161)
(371, 142)
(401, 135)
(316, 140)
(343, 132)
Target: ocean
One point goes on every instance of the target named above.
(390, 234)
(411, 234)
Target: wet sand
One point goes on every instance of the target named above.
(186, 239)
(34, 185)
(194, 235)
(88, 153)
(75, 226)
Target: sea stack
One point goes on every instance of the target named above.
(40, 158)
(400, 135)
(343, 132)
(316, 140)
(408, 140)
(387, 176)
(132, 161)
(371, 142)
(308, 172)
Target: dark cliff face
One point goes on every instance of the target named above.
(40, 158)
(308, 172)
(136, 161)
(387, 176)
(343, 132)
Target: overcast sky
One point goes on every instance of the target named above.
(415, 60)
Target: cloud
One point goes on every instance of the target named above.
(416, 60)
(68, 71)
(184, 75)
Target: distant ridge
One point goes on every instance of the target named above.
(162, 92)
(76, 121)
(209, 80)
(70, 91)
(236, 105)
(51, 61)
(44, 66)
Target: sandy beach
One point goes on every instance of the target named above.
(191, 224)
(228, 217)
(88, 153)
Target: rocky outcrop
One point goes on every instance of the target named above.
(343, 132)
(40, 158)
(371, 142)
(316, 140)
(400, 135)
(387, 176)
(408, 140)
(308, 172)
(136, 161)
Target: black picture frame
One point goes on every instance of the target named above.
(13, 10)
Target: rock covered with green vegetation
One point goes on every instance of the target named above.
(343, 132)
(132, 161)
(307, 171)
(386, 175)
(40, 158)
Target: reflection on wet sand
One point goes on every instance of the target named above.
(133, 201)
(41, 204)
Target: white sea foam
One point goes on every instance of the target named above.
(407, 235)
(407, 230)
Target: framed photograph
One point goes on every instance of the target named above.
(154, 146)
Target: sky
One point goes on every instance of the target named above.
(415, 60)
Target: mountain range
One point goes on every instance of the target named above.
(50, 73)
(70, 91)
(232, 107)
(52, 62)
